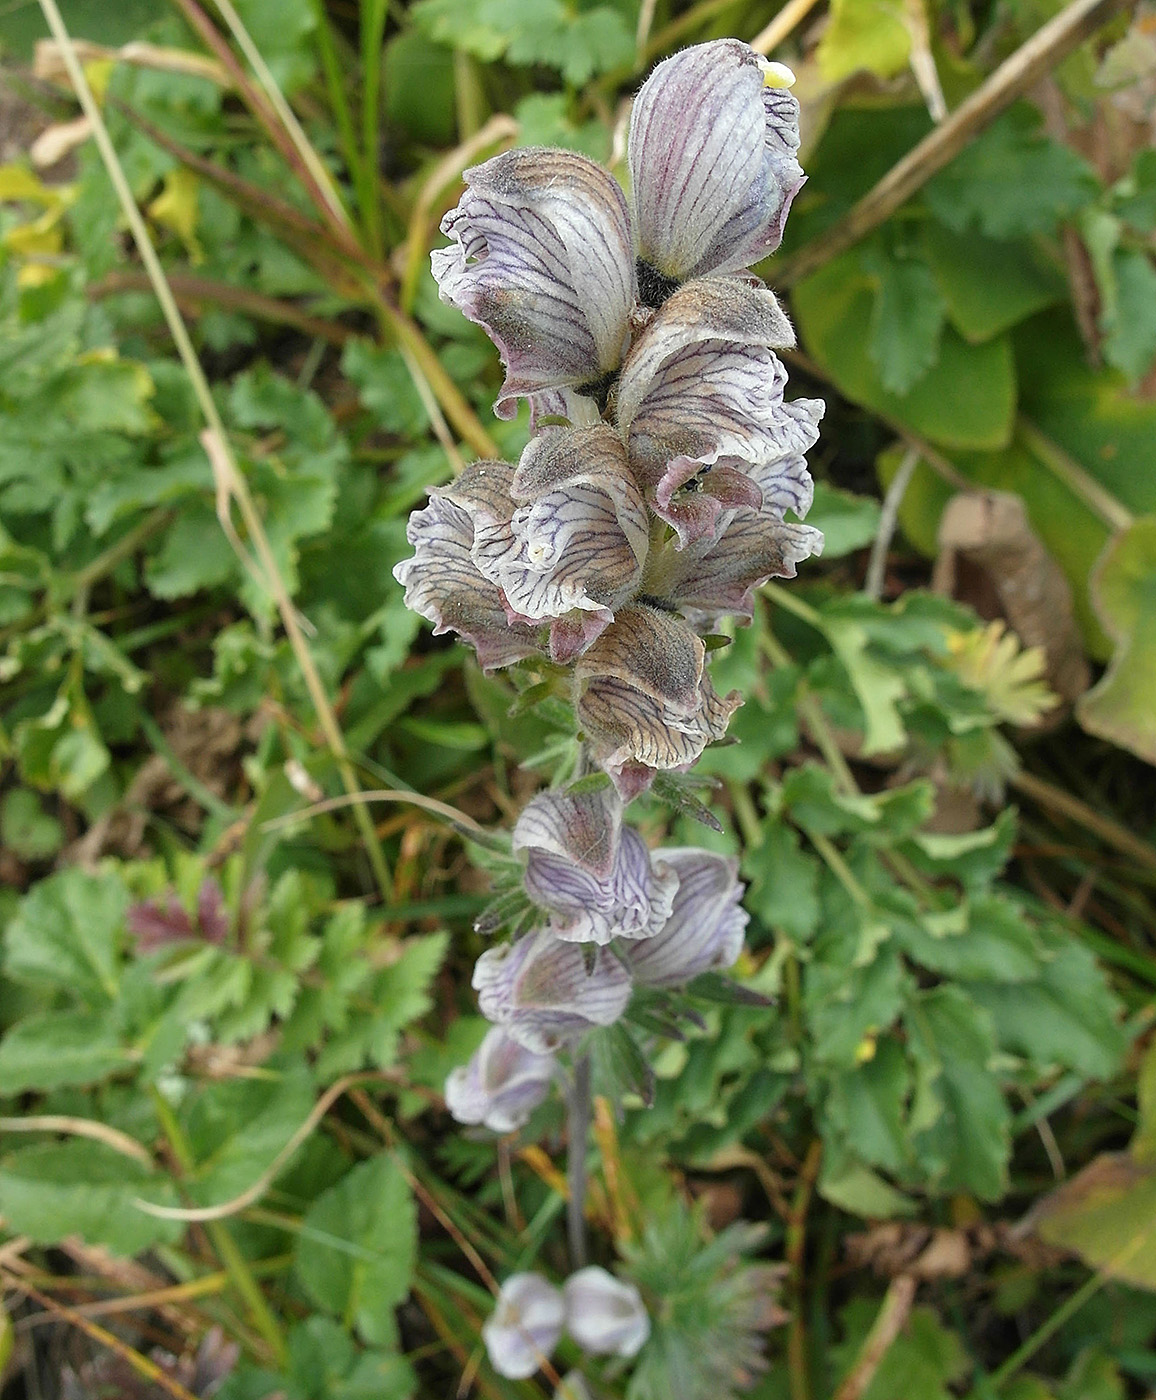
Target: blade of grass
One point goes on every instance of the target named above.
(285, 114)
(217, 440)
(373, 14)
(335, 87)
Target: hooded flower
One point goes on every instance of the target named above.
(645, 700)
(713, 141)
(594, 875)
(716, 578)
(605, 1316)
(542, 259)
(443, 584)
(539, 989)
(564, 536)
(524, 1327)
(705, 930)
(701, 409)
(502, 1084)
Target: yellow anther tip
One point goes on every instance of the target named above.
(778, 75)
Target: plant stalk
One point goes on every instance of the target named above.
(576, 1142)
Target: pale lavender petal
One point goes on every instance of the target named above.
(604, 1315)
(524, 1327)
(542, 260)
(706, 926)
(713, 165)
(540, 991)
(711, 579)
(443, 585)
(566, 533)
(644, 699)
(700, 406)
(594, 875)
(502, 1084)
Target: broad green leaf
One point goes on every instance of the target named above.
(784, 892)
(1137, 202)
(26, 828)
(848, 521)
(922, 1363)
(1130, 335)
(960, 1122)
(1106, 1214)
(58, 1048)
(966, 400)
(855, 1188)
(907, 320)
(865, 1106)
(993, 943)
(1122, 706)
(194, 554)
(1066, 1016)
(988, 286)
(358, 1244)
(67, 935)
(385, 387)
(864, 34)
(1011, 180)
(848, 1007)
(84, 1188)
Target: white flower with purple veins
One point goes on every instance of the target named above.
(444, 585)
(705, 930)
(542, 260)
(713, 143)
(524, 1327)
(501, 1086)
(595, 876)
(700, 406)
(540, 991)
(563, 536)
(605, 1316)
(644, 698)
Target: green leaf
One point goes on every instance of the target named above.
(865, 1106)
(993, 943)
(1065, 1017)
(1011, 181)
(83, 1188)
(1122, 706)
(67, 933)
(988, 286)
(784, 893)
(922, 1363)
(848, 521)
(59, 1048)
(1107, 1215)
(960, 1122)
(1137, 202)
(1130, 334)
(26, 828)
(906, 320)
(847, 1007)
(864, 34)
(966, 400)
(357, 1248)
(386, 388)
(855, 1188)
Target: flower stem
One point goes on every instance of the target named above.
(579, 1132)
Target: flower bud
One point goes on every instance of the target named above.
(705, 930)
(605, 1316)
(502, 1084)
(524, 1327)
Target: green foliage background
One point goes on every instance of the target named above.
(957, 1019)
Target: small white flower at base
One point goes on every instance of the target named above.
(605, 1316)
(524, 1327)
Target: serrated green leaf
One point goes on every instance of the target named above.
(784, 893)
(357, 1248)
(907, 320)
(67, 935)
(865, 1106)
(1130, 333)
(922, 1363)
(1011, 181)
(864, 34)
(848, 521)
(26, 828)
(847, 1007)
(84, 1188)
(961, 1122)
(58, 1048)
(385, 387)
